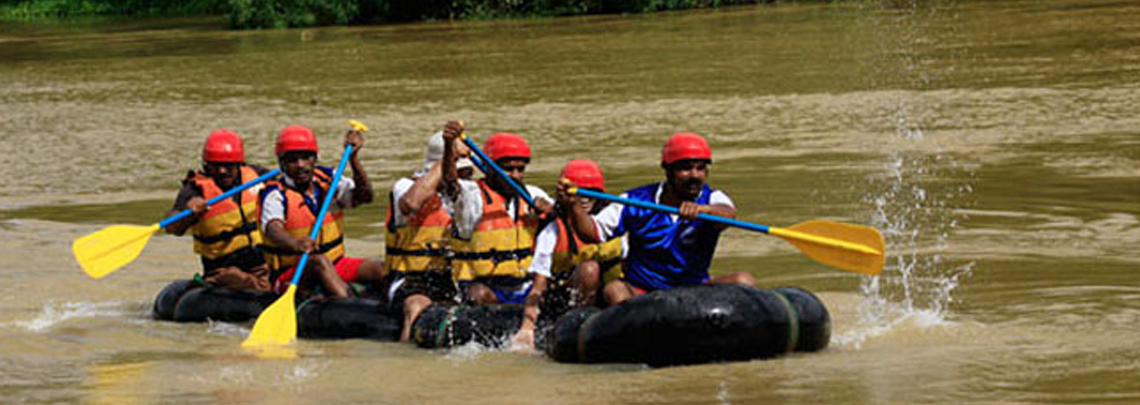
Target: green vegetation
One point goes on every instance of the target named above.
(303, 13)
(32, 9)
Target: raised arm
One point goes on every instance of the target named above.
(434, 181)
(580, 218)
(450, 178)
(362, 193)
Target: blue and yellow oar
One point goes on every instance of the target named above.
(850, 247)
(277, 325)
(110, 248)
(484, 162)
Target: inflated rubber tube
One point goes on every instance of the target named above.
(814, 320)
(690, 325)
(562, 339)
(167, 299)
(350, 318)
(220, 304)
(441, 326)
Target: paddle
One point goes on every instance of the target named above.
(277, 325)
(487, 162)
(845, 246)
(110, 248)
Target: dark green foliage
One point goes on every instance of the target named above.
(291, 13)
(67, 8)
(303, 13)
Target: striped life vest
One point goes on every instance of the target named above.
(570, 251)
(501, 245)
(229, 225)
(421, 244)
(300, 216)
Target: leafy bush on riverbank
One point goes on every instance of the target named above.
(304, 13)
(32, 9)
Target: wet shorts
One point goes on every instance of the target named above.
(638, 291)
(436, 285)
(347, 268)
(246, 259)
(506, 293)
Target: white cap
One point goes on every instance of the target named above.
(434, 153)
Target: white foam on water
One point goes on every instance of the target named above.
(722, 395)
(226, 329)
(239, 375)
(917, 208)
(899, 321)
(54, 313)
(470, 351)
(303, 371)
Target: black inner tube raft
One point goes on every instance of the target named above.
(350, 318)
(692, 325)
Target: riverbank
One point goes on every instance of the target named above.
(252, 14)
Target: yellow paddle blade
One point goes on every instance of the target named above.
(845, 246)
(105, 251)
(277, 325)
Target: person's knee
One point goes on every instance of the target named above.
(616, 292)
(744, 279)
(414, 305)
(588, 273)
(372, 270)
(480, 294)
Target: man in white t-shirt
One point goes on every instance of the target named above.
(568, 272)
(289, 210)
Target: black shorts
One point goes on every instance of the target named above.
(246, 259)
(437, 286)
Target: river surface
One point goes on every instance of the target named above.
(995, 143)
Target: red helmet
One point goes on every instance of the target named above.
(584, 173)
(296, 138)
(685, 145)
(223, 145)
(506, 145)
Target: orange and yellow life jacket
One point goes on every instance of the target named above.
(570, 251)
(229, 225)
(501, 245)
(300, 216)
(421, 244)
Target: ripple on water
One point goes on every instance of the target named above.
(54, 313)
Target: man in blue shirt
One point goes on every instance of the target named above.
(665, 250)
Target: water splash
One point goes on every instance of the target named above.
(467, 352)
(54, 313)
(227, 329)
(917, 207)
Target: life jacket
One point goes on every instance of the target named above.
(229, 225)
(300, 216)
(421, 244)
(570, 251)
(501, 246)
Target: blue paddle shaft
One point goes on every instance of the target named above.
(324, 210)
(478, 163)
(672, 210)
(186, 212)
(499, 171)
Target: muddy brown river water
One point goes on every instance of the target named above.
(995, 143)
